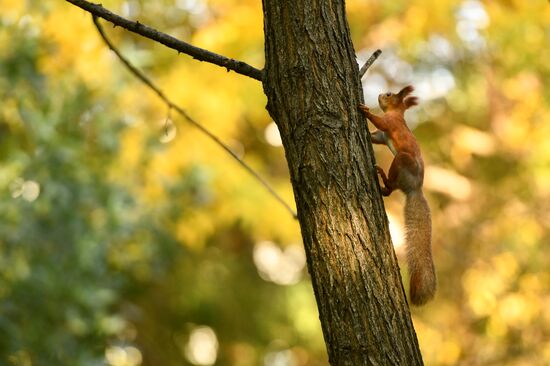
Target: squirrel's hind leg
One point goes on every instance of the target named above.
(386, 189)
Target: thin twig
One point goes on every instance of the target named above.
(168, 121)
(200, 54)
(171, 105)
(369, 62)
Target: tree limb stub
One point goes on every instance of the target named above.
(369, 63)
(198, 53)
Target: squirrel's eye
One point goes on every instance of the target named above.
(388, 94)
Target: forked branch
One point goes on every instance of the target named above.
(200, 54)
(171, 105)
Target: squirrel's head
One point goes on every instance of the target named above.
(392, 101)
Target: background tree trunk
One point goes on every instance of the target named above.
(312, 84)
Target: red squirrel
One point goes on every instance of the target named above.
(407, 174)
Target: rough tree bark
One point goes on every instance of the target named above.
(313, 89)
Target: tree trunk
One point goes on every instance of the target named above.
(313, 89)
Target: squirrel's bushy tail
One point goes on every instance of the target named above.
(418, 225)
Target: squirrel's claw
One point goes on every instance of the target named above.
(364, 108)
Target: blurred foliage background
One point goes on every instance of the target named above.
(128, 238)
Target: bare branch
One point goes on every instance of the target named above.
(369, 63)
(200, 54)
(171, 105)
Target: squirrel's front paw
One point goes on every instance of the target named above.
(364, 108)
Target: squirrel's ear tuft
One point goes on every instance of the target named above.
(410, 101)
(406, 91)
